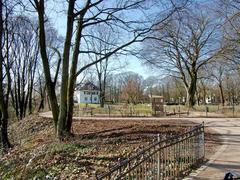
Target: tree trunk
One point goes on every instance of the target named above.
(102, 98)
(72, 80)
(63, 115)
(42, 95)
(32, 75)
(191, 92)
(221, 94)
(198, 98)
(4, 141)
(204, 95)
(49, 84)
(5, 144)
(30, 109)
(103, 89)
(102, 93)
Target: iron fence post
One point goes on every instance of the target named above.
(203, 139)
(158, 158)
(166, 158)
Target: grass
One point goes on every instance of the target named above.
(211, 108)
(226, 111)
(140, 110)
(114, 110)
(68, 147)
(83, 105)
(230, 111)
(176, 108)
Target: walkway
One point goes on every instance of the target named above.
(228, 156)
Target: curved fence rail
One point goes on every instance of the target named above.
(167, 158)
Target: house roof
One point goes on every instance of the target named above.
(89, 86)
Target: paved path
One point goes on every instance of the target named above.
(228, 156)
(225, 159)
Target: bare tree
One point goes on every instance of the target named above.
(231, 27)
(150, 85)
(4, 92)
(132, 89)
(218, 72)
(183, 47)
(231, 86)
(24, 55)
(101, 46)
(84, 16)
(115, 82)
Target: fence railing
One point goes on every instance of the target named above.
(167, 158)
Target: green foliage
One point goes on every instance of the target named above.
(37, 174)
(83, 105)
(55, 169)
(9, 174)
(9, 170)
(68, 147)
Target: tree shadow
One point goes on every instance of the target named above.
(96, 134)
(126, 131)
(226, 165)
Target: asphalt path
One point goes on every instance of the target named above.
(227, 158)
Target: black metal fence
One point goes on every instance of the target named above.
(167, 158)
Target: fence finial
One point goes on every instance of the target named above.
(158, 137)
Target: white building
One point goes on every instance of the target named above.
(88, 94)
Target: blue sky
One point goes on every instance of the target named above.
(136, 66)
(58, 20)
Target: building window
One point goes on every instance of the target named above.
(95, 98)
(86, 99)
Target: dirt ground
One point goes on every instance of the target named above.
(114, 139)
(96, 145)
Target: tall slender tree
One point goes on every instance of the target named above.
(24, 52)
(4, 141)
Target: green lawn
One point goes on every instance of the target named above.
(113, 109)
(140, 110)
